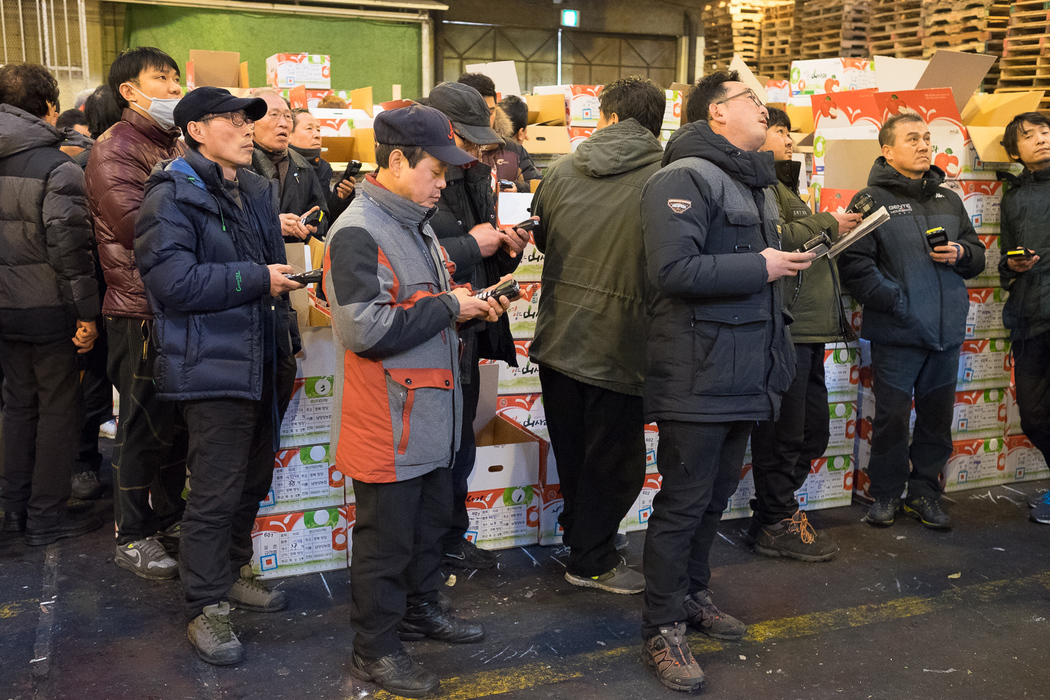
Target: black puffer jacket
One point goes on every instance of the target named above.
(300, 191)
(1025, 215)
(47, 275)
(718, 349)
(467, 201)
(909, 299)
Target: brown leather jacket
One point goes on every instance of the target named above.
(116, 174)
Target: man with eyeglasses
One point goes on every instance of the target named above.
(718, 353)
(208, 245)
(300, 191)
(149, 449)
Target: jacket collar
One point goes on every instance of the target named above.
(886, 176)
(165, 138)
(202, 181)
(397, 207)
(698, 140)
(788, 173)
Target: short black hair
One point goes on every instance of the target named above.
(516, 110)
(707, 91)
(635, 98)
(30, 87)
(1016, 129)
(295, 114)
(70, 118)
(130, 64)
(777, 117)
(413, 154)
(480, 82)
(888, 132)
(101, 111)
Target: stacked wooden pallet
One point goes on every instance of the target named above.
(896, 28)
(834, 28)
(1025, 64)
(732, 27)
(977, 26)
(776, 54)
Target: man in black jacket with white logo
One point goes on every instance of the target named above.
(915, 307)
(718, 354)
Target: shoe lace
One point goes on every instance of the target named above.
(800, 524)
(251, 582)
(152, 549)
(220, 627)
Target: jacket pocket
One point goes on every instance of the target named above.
(730, 352)
(402, 386)
(193, 340)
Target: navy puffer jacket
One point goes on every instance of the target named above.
(203, 262)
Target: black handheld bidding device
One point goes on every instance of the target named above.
(510, 289)
(352, 169)
(312, 219)
(863, 206)
(819, 244)
(1019, 254)
(309, 277)
(527, 224)
(936, 237)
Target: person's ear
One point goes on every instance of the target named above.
(128, 92)
(195, 130)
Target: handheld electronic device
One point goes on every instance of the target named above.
(510, 289)
(819, 244)
(527, 224)
(936, 237)
(309, 277)
(313, 218)
(1019, 254)
(864, 206)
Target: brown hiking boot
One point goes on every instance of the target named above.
(793, 537)
(702, 614)
(668, 654)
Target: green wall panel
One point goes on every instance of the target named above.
(364, 52)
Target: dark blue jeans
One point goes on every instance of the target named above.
(700, 464)
(899, 372)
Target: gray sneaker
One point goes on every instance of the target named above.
(249, 593)
(211, 634)
(622, 579)
(146, 558)
(704, 616)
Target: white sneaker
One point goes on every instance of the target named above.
(108, 429)
(146, 558)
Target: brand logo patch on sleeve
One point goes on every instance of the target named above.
(679, 206)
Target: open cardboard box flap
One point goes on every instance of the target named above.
(985, 116)
(223, 69)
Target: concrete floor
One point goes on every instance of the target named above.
(901, 613)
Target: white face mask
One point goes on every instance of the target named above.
(161, 110)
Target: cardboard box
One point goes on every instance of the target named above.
(287, 70)
(984, 364)
(778, 92)
(739, 505)
(304, 478)
(549, 140)
(308, 420)
(854, 312)
(989, 277)
(828, 75)
(985, 318)
(526, 410)
(531, 265)
(1024, 462)
(504, 496)
(223, 69)
(637, 517)
(979, 414)
(832, 200)
(522, 313)
(1013, 413)
(829, 484)
(523, 379)
(975, 463)
(843, 426)
(549, 110)
(579, 134)
(584, 107)
(841, 371)
(334, 122)
(982, 199)
(551, 504)
(302, 98)
(300, 542)
(652, 444)
(672, 110)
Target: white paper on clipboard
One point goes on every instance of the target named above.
(513, 207)
(876, 219)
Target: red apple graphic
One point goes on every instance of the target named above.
(947, 162)
(828, 107)
(896, 105)
(831, 85)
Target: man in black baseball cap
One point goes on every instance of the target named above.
(209, 249)
(398, 397)
(469, 114)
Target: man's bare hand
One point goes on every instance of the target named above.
(292, 228)
(85, 336)
(470, 307)
(847, 222)
(1022, 265)
(515, 239)
(279, 284)
(488, 239)
(947, 254)
(783, 264)
(345, 188)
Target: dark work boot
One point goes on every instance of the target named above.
(397, 674)
(668, 655)
(67, 525)
(883, 511)
(14, 521)
(434, 621)
(793, 537)
(704, 616)
(928, 511)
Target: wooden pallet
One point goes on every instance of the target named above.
(1025, 62)
(775, 54)
(896, 28)
(833, 28)
(732, 27)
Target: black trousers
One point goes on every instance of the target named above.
(782, 451)
(897, 373)
(231, 460)
(396, 555)
(149, 451)
(463, 462)
(700, 464)
(40, 423)
(598, 438)
(97, 400)
(1032, 377)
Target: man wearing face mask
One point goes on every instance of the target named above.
(300, 192)
(149, 453)
(306, 141)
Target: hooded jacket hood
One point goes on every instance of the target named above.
(617, 149)
(20, 131)
(886, 176)
(698, 140)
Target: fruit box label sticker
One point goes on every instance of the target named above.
(308, 420)
(831, 75)
(1024, 462)
(982, 200)
(985, 317)
(980, 413)
(526, 410)
(989, 277)
(314, 540)
(506, 517)
(830, 483)
(652, 443)
(522, 313)
(304, 477)
(984, 364)
(975, 463)
(843, 426)
(841, 371)
(583, 105)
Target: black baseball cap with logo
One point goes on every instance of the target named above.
(203, 101)
(423, 127)
(467, 109)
